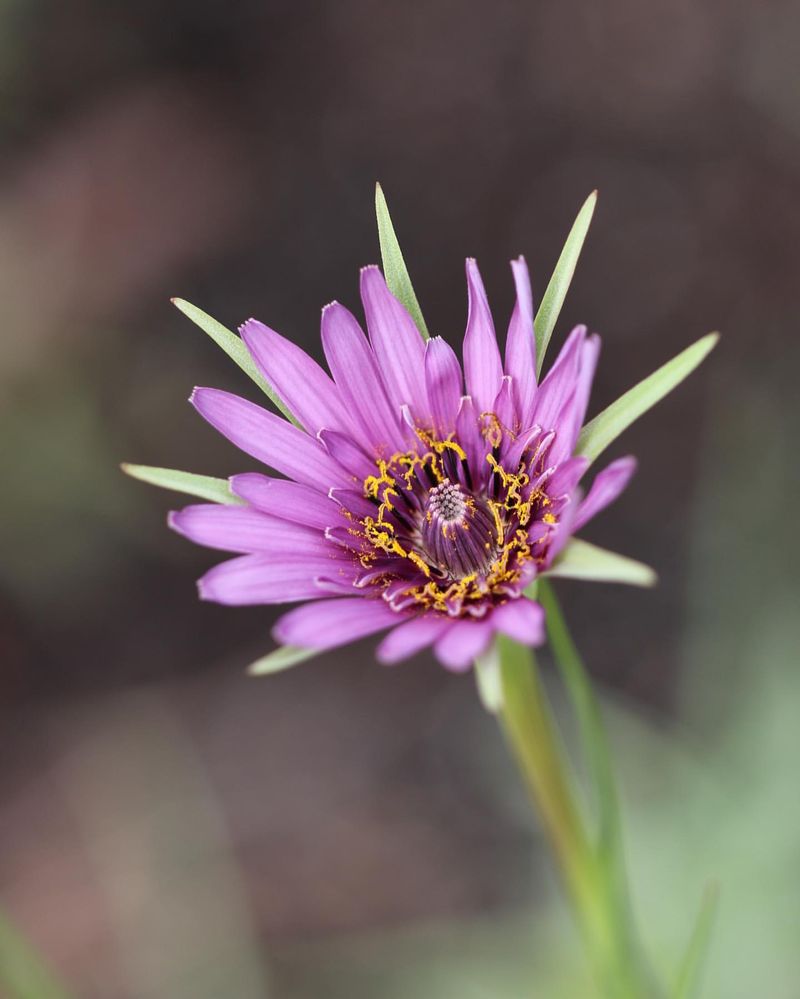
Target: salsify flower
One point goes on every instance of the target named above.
(416, 498)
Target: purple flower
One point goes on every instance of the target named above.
(415, 499)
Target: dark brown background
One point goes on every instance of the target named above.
(157, 808)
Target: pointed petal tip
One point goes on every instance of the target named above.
(247, 325)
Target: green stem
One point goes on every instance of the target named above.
(532, 735)
(608, 843)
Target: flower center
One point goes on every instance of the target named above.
(451, 537)
(458, 532)
(446, 504)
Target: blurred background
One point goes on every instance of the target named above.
(169, 828)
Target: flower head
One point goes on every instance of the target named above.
(415, 498)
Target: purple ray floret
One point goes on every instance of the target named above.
(417, 497)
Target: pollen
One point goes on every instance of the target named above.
(457, 536)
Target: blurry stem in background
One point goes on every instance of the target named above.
(592, 871)
(688, 983)
(23, 974)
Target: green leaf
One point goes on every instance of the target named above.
(235, 348)
(581, 560)
(488, 679)
(204, 486)
(23, 974)
(281, 659)
(688, 983)
(394, 267)
(556, 290)
(608, 425)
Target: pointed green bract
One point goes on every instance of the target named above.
(394, 267)
(688, 983)
(581, 560)
(203, 486)
(235, 348)
(608, 425)
(558, 286)
(281, 659)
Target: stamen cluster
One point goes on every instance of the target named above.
(442, 542)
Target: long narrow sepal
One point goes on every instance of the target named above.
(558, 285)
(687, 985)
(235, 348)
(280, 659)
(203, 486)
(582, 560)
(394, 266)
(608, 425)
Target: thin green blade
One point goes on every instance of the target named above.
(582, 560)
(558, 286)
(281, 659)
(203, 486)
(608, 425)
(394, 266)
(235, 348)
(688, 983)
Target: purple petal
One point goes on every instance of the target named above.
(606, 487)
(469, 436)
(482, 365)
(564, 529)
(334, 622)
(347, 454)
(301, 383)
(503, 409)
(458, 648)
(444, 383)
(571, 417)
(412, 637)
(566, 476)
(243, 529)
(521, 619)
(287, 500)
(269, 438)
(355, 371)
(353, 502)
(261, 579)
(348, 537)
(558, 387)
(397, 343)
(521, 345)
